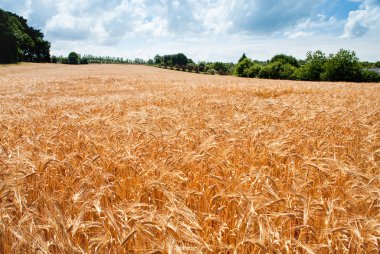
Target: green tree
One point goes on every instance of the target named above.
(158, 59)
(73, 58)
(343, 66)
(180, 59)
(314, 66)
(285, 59)
(19, 42)
(242, 67)
(242, 58)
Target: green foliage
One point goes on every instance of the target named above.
(220, 68)
(158, 59)
(19, 42)
(202, 66)
(73, 58)
(253, 71)
(211, 71)
(242, 58)
(370, 76)
(242, 67)
(83, 60)
(172, 60)
(285, 59)
(343, 66)
(377, 64)
(54, 59)
(313, 67)
(367, 64)
(190, 67)
(277, 70)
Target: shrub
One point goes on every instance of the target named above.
(253, 71)
(190, 67)
(84, 61)
(202, 66)
(370, 76)
(221, 68)
(65, 60)
(211, 71)
(277, 70)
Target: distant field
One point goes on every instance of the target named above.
(135, 159)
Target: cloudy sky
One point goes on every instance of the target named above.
(214, 30)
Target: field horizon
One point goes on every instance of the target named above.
(138, 159)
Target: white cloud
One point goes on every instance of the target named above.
(203, 29)
(361, 21)
(320, 24)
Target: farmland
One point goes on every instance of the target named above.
(135, 159)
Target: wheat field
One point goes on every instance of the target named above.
(136, 159)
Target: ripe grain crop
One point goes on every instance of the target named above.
(135, 159)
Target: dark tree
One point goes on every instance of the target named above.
(242, 58)
(73, 58)
(179, 59)
(83, 60)
(19, 42)
(158, 59)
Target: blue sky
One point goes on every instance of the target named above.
(214, 30)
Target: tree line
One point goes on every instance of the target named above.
(342, 66)
(75, 58)
(20, 42)
(181, 62)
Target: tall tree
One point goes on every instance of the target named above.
(242, 58)
(19, 42)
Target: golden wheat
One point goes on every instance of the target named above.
(133, 159)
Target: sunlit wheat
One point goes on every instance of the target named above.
(134, 159)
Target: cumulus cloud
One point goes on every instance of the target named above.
(166, 26)
(320, 24)
(108, 21)
(361, 21)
